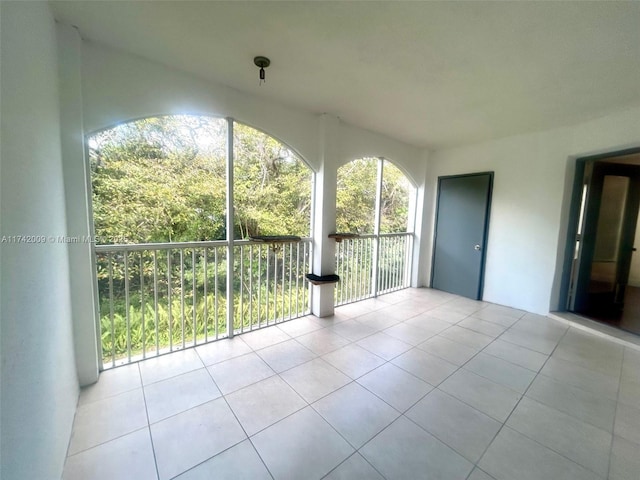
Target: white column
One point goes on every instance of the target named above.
(324, 219)
(78, 206)
(229, 224)
(423, 221)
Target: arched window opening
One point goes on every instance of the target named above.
(372, 201)
(170, 274)
(357, 189)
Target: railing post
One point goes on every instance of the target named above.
(324, 218)
(229, 226)
(376, 231)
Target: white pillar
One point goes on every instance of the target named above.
(421, 268)
(229, 225)
(78, 206)
(324, 220)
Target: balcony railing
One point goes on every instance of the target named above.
(157, 298)
(370, 266)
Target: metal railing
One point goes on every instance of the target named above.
(370, 266)
(157, 298)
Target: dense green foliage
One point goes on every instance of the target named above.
(163, 180)
(356, 197)
(154, 180)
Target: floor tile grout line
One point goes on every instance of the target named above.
(332, 392)
(439, 439)
(78, 405)
(504, 425)
(146, 411)
(101, 444)
(437, 387)
(522, 395)
(247, 437)
(107, 440)
(615, 415)
(402, 412)
(355, 449)
(476, 467)
(522, 346)
(566, 413)
(577, 364)
(357, 452)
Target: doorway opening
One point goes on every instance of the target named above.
(604, 282)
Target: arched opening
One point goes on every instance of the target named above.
(173, 269)
(373, 200)
(272, 186)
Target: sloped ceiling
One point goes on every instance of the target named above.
(431, 74)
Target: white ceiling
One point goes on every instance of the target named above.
(432, 74)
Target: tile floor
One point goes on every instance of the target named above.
(418, 384)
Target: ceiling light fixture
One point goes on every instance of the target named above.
(262, 62)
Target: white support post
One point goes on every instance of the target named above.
(229, 226)
(324, 221)
(376, 230)
(423, 227)
(77, 189)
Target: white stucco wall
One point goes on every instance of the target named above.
(39, 383)
(531, 195)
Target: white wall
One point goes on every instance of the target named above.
(39, 384)
(531, 194)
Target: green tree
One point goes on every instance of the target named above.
(394, 203)
(159, 180)
(356, 197)
(162, 179)
(272, 187)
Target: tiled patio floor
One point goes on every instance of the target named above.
(418, 384)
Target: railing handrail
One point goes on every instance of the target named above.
(396, 234)
(134, 247)
(373, 235)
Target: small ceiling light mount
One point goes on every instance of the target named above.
(262, 62)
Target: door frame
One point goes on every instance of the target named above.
(485, 236)
(573, 220)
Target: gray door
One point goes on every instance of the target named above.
(462, 220)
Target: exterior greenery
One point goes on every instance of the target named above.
(356, 197)
(163, 179)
